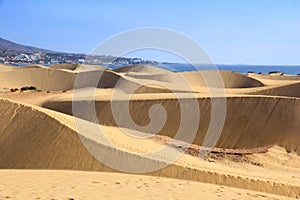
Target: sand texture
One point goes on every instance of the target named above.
(43, 153)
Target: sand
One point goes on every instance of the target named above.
(66, 185)
(249, 124)
(37, 131)
(231, 79)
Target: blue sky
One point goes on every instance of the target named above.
(231, 31)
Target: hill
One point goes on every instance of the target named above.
(13, 53)
(8, 46)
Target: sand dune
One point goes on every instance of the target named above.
(243, 123)
(289, 90)
(261, 113)
(65, 66)
(48, 79)
(148, 79)
(141, 69)
(230, 79)
(148, 73)
(141, 79)
(4, 68)
(42, 78)
(62, 77)
(38, 147)
(34, 66)
(275, 77)
(93, 185)
(77, 67)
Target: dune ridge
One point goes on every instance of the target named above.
(249, 124)
(275, 77)
(66, 76)
(39, 148)
(288, 90)
(54, 79)
(260, 134)
(230, 79)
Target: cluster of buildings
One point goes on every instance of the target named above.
(40, 58)
(55, 58)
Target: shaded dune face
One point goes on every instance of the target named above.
(290, 90)
(65, 66)
(32, 139)
(63, 76)
(247, 119)
(229, 78)
(77, 67)
(55, 80)
(141, 69)
(265, 120)
(43, 139)
(29, 143)
(275, 77)
(257, 116)
(43, 79)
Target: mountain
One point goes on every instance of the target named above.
(8, 46)
(13, 53)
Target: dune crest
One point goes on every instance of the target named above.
(249, 124)
(230, 79)
(260, 134)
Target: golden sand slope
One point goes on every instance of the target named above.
(77, 67)
(142, 69)
(146, 78)
(230, 79)
(52, 79)
(42, 78)
(27, 142)
(247, 118)
(37, 138)
(63, 76)
(290, 90)
(42, 184)
(194, 79)
(275, 77)
(4, 68)
(65, 66)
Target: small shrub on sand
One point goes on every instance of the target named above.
(28, 88)
(32, 88)
(24, 88)
(14, 89)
